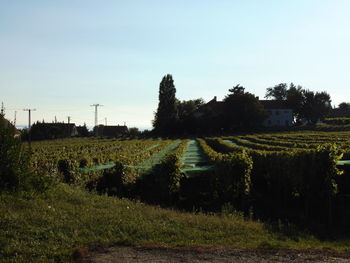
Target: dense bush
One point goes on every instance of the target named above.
(162, 183)
(15, 172)
(294, 184)
(232, 174)
(337, 121)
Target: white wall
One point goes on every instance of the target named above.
(279, 117)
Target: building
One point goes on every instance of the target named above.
(278, 113)
(55, 130)
(213, 107)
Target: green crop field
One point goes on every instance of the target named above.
(293, 181)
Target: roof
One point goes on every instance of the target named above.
(274, 104)
(58, 124)
(213, 105)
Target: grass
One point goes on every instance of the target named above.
(48, 228)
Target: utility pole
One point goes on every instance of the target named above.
(69, 128)
(96, 117)
(29, 124)
(105, 121)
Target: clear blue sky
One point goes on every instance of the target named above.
(62, 56)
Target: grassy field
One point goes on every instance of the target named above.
(48, 228)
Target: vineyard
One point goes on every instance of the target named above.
(300, 176)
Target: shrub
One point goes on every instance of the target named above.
(15, 173)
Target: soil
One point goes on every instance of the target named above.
(207, 255)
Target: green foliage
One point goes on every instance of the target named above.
(116, 181)
(286, 183)
(344, 106)
(48, 228)
(278, 92)
(242, 110)
(295, 100)
(15, 173)
(134, 131)
(316, 106)
(306, 104)
(166, 116)
(337, 121)
(188, 123)
(232, 173)
(162, 183)
(45, 131)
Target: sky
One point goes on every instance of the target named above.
(60, 57)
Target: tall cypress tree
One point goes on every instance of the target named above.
(166, 116)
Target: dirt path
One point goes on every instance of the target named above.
(202, 255)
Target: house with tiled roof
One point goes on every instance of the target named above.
(55, 130)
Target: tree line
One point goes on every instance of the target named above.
(306, 104)
(239, 110)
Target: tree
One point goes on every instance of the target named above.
(83, 131)
(166, 117)
(295, 100)
(344, 106)
(278, 92)
(316, 106)
(134, 131)
(242, 109)
(186, 109)
(237, 90)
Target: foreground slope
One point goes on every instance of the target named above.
(50, 227)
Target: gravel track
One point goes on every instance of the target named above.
(204, 255)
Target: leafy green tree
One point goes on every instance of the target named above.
(166, 117)
(278, 92)
(295, 100)
(188, 123)
(134, 131)
(83, 130)
(242, 109)
(237, 90)
(316, 106)
(344, 106)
